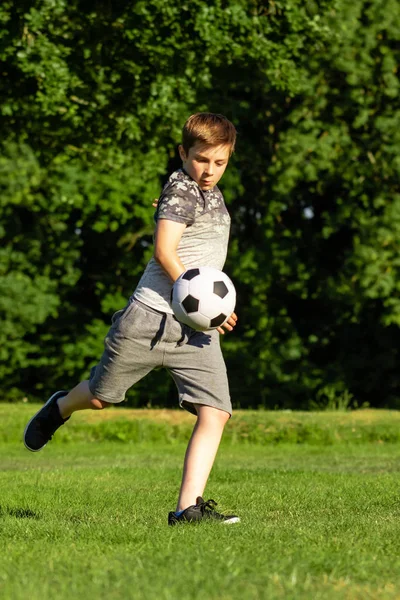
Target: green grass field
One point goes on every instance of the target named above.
(320, 517)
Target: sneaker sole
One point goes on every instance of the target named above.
(227, 522)
(231, 521)
(35, 415)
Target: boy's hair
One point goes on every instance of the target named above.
(209, 129)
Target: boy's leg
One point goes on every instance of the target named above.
(128, 356)
(79, 398)
(198, 369)
(57, 410)
(200, 453)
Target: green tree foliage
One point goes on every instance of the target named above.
(93, 97)
(326, 221)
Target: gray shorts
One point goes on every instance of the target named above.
(141, 339)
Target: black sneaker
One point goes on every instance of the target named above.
(44, 424)
(199, 512)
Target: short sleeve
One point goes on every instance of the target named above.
(177, 204)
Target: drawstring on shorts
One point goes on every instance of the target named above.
(157, 338)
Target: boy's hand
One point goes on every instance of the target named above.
(229, 325)
(155, 202)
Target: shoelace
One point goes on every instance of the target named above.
(211, 504)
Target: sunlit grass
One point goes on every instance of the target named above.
(90, 520)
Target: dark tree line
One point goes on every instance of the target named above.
(92, 99)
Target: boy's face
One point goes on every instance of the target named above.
(205, 164)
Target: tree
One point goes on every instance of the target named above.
(93, 99)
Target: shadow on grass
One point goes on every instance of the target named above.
(19, 513)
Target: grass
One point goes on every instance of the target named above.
(88, 519)
(171, 426)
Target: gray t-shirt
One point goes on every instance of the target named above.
(204, 242)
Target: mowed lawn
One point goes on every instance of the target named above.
(89, 520)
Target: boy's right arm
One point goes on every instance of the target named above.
(167, 237)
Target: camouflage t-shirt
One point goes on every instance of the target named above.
(204, 241)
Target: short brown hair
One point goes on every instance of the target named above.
(209, 129)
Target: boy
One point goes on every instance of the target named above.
(192, 229)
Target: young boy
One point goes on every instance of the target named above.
(192, 229)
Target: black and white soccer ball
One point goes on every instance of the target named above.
(203, 298)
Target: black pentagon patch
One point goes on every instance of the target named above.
(220, 289)
(190, 304)
(217, 321)
(190, 273)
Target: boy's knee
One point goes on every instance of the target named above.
(224, 416)
(97, 404)
(212, 415)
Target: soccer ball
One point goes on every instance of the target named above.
(203, 298)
